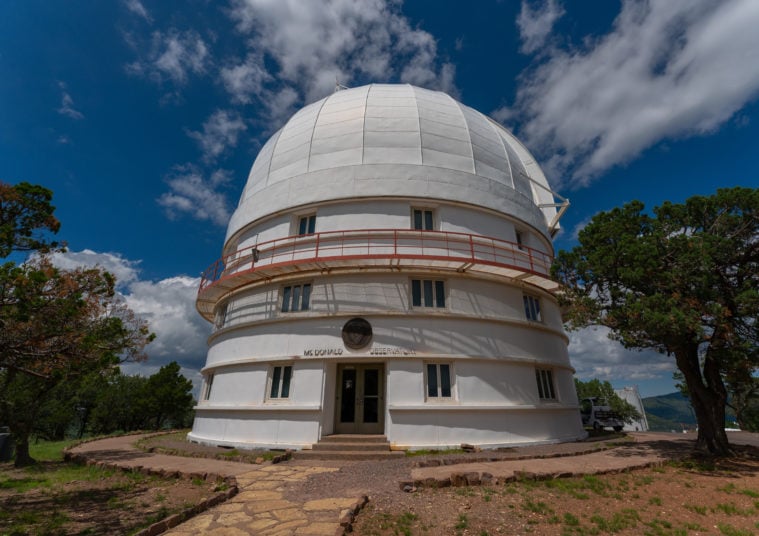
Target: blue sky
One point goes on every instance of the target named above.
(144, 117)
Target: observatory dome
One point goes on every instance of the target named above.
(395, 140)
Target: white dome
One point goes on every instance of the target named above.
(394, 140)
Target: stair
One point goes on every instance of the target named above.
(349, 447)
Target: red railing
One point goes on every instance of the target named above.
(379, 244)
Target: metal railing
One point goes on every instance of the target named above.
(390, 244)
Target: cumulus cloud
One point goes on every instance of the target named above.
(191, 193)
(220, 132)
(136, 7)
(167, 305)
(312, 45)
(172, 56)
(67, 104)
(595, 355)
(668, 69)
(535, 24)
(126, 271)
(246, 79)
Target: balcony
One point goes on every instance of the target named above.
(396, 249)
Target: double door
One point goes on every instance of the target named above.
(360, 407)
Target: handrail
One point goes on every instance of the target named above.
(379, 243)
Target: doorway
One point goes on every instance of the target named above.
(360, 407)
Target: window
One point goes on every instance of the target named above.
(427, 293)
(422, 219)
(209, 385)
(544, 377)
(280, 381)
(438, 380)
(296, 298)
(520, 239)
(531, 308)
(221, 316)
(307, 224)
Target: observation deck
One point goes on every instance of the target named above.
(390, 249)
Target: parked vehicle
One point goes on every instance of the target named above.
(597, 413)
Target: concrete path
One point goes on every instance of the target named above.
(258, 508)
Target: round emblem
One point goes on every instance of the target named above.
(357, 333)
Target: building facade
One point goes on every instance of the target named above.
(387, 272)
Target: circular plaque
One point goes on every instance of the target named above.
(357, 333)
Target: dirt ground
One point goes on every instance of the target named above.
(683, 498)
(55, 498)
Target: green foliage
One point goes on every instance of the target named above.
(596, 388)
(169, 398)
(25, 216)
(683, 281)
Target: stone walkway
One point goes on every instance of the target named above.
(258, 508)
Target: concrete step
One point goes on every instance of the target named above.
(359, 447)
(353, 438)
(351, 455)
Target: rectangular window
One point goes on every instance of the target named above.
(209, 385)
(422, 219)
(296, 298)
(307, 224)
(544, 378)
(520, 240)
(532, 308)
(280, 381)
(221, 316)
(427, 293)
(438, 380)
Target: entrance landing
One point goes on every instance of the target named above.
(350, 447)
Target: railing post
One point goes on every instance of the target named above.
(316, 253)
(471, 247)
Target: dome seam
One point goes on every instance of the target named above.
(458, 106)
(313, 130)
(491, 124)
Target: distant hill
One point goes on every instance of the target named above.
(673, 412)
(668, 413)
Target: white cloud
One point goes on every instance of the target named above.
(136, 7)
(314, 44)
(126, 271)
(595, 355)
(172, 55)
(535, 24)
(167, 305)
(245, 80)
(220, 131)
(668, 69)
(191, 193)
(67, 104)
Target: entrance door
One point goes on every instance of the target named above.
(360, 399)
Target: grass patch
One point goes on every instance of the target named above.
(729, 530)
(49, 451)
(627, 518)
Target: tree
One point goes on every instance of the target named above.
(169, 397)
(58, 325)
(595, 388)
(684, 282)
(25, 216)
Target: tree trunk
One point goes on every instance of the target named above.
(22, 451)
(708, 398)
